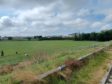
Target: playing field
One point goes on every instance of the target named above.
(37, 48)
(45, 54)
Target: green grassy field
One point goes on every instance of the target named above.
(47, 54)
(35, 48)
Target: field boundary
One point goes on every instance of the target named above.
(64, 66)
(107, 75)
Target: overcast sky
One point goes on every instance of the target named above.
(54, 17)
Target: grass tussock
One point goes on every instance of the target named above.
(23, 77)
(6, 69)
(92, 73)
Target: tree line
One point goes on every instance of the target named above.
(105, 35)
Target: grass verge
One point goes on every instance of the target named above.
(92, 73)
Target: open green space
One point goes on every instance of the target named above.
(35, 48)
(46, 54)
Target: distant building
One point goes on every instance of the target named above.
(4, 38)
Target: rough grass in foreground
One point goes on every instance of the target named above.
(89, 74)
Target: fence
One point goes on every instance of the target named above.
(107, 75)
(62, 67)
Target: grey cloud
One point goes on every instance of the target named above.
(6, 22)
(76, 3)
(63, 4)
(25, 3)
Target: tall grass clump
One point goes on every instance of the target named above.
(83, 75)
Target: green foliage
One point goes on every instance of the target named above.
(101, 36)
